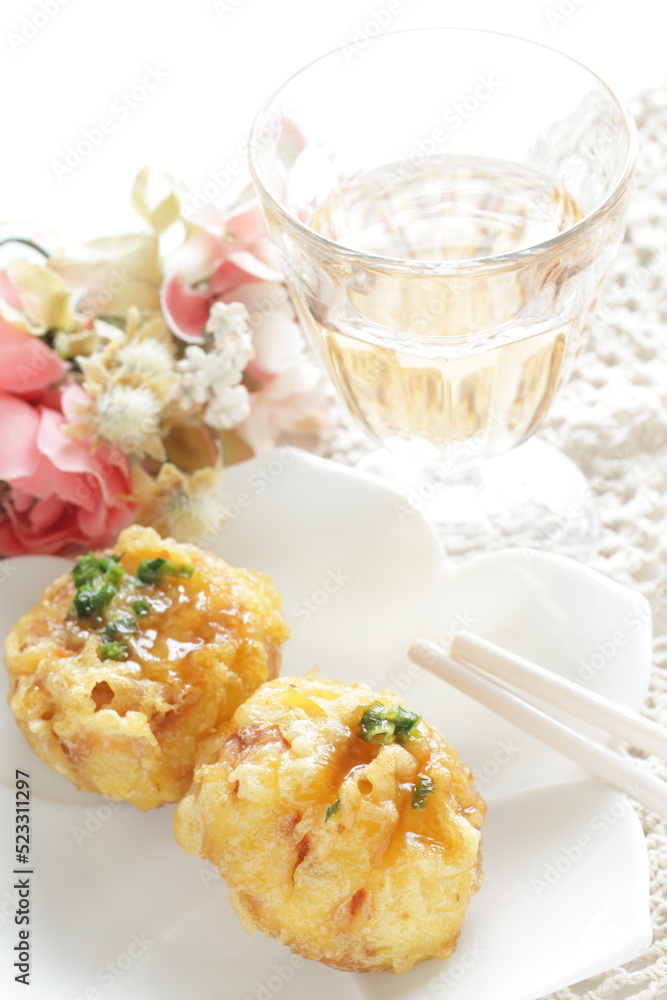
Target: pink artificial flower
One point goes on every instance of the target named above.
(27, 365)
(57, 492)
(211, 265)
(293, 401)
(291, 391)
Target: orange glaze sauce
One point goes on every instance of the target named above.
(338, 762)
(425, 826)
(354, 757)
(184, 616)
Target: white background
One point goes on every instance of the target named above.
(221, 59)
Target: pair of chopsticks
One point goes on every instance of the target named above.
(470, 660)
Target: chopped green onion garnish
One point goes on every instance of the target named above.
(113, 651)
(389, 724)
(89, 566)
(86, 568)
(114, 572)
(96, 579)
(332, 809)
(141, 607)
(425, 786)
(155, 570)
(120, 626)
(94, 596)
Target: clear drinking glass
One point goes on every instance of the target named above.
(446, 204)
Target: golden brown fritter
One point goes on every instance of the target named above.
(134, 728)
(359, 854)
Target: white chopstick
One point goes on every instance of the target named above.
(562, 693)
(599, 760)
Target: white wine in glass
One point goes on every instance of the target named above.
(432, 396)
(447, 266)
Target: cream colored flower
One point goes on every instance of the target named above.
(186, 507)
(47, 302)
(74, 343)
(125, 417)
(47, 307)
(142, 357)
(130, 382)
(113, 273)
(107, 333)
(128, 417)
(147, 358)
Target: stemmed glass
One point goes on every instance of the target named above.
(446, 204)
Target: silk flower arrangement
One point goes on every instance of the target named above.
(134, 369)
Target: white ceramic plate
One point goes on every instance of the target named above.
(120, 912)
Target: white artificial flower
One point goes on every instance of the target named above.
(211, 377)
(228, 326)
(228, 407)
(194, 381)
(227, 317)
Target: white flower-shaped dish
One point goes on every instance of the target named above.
(118, 911)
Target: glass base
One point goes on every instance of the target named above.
(532, 497)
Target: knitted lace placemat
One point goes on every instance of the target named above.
(611, 419)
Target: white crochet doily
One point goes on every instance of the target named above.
(611, 419)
